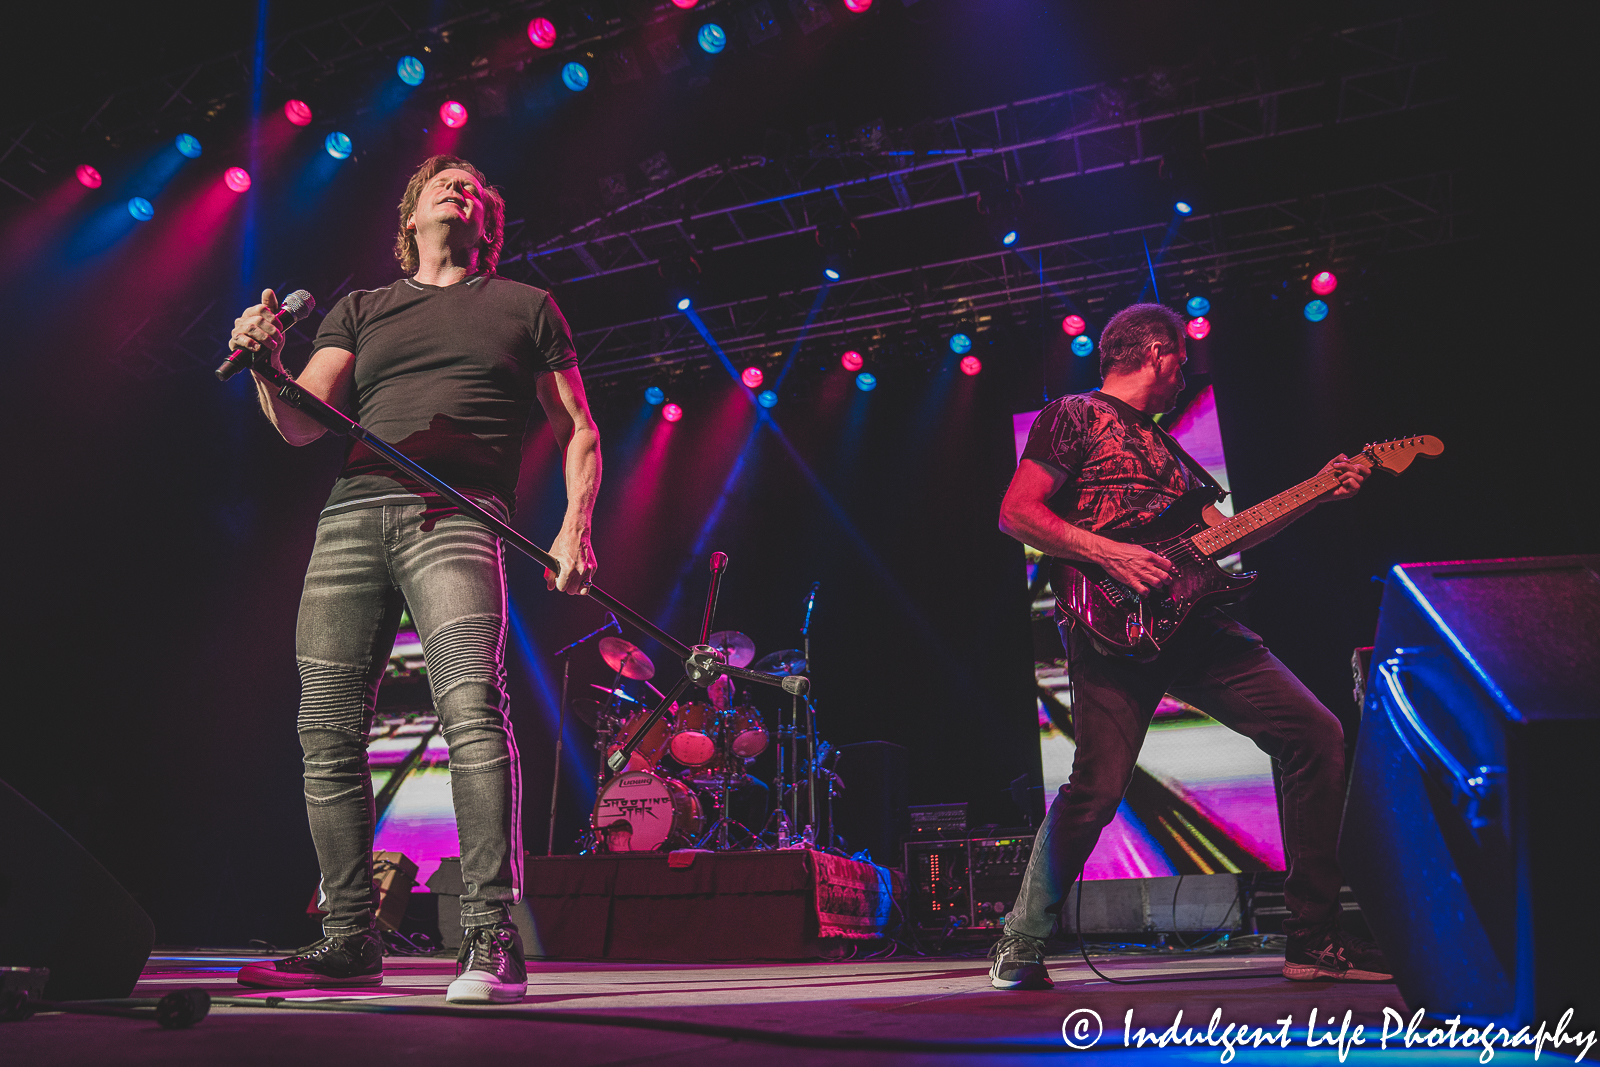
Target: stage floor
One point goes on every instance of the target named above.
(903, 1000)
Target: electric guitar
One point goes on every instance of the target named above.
(1192, 534)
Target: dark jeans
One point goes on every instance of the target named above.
(367, 566)
(1223, 669)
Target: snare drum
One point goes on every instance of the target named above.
(747, 734)
(643, 812)
(694, 739)
(654, 745)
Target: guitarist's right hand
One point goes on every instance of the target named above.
(1134, 566)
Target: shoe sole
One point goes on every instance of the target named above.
(275, 980)
(1310, 972)
(1021, 983)
(481, 991)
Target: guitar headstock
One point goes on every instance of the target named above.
(1395, 456)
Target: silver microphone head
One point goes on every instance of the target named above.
(299, 304)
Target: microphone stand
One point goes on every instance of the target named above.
(702, 664)
(561, 724)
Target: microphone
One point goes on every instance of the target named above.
(297, 305)
(796, 684)
(811, 602)
(719, 560)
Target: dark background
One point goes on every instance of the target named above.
(158, 530)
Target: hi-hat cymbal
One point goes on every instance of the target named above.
(625, 656)
(587, 710)
(784, 661)
(740, 649)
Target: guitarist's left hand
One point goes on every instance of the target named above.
(1351, 472)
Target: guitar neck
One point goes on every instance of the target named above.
(1223, 536)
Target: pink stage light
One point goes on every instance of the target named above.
(542, 32)
(1073, 325)
(88, 177)
(1324, 283)
(1198, 328)
(851, 361)
(453, 113)
(297, 112)
(684, 4)
(238, 179)
(971, 365)
(858, 6)
(671, 412)
(751, 377)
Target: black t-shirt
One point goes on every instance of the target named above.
(1121, 472)
(446, 375)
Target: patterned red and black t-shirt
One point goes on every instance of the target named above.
(1120, 471)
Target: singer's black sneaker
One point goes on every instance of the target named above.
(1329, 952)
(1019, 963)
(489, 967)
(332, 963)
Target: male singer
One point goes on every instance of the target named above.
(446, 364)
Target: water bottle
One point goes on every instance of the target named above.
(783, 828)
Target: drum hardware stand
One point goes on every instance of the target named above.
(565, 655)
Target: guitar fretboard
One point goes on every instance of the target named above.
(1217, 539)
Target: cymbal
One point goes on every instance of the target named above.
(587, 710)
(784, 661)
(625, 656)
(621, 695)
(739, 648)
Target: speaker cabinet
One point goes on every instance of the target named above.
(62, 910)
(1472, 804)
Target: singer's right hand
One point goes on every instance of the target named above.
(257, 329)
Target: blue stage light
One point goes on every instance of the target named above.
(1197, 306)
(684, 304)
(712, 38)
(337, 145)
(1183, 207)
(767, 398)
(1082, 345)
(189, 145)
(575, 76)
(655, 395)
(960, 344)
(410, 70)
(1316, 311)
(141, 209)
(830, 274)
(1009, 239)
(866, 381)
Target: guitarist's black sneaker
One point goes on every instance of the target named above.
(1019, 963)
(354, 960)
(489, 968)
(1331, 953)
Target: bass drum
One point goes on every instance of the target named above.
(642, 812)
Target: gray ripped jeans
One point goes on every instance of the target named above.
(368, 564)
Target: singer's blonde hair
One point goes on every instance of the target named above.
(494, 214)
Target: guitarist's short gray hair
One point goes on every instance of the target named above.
(1132, 330)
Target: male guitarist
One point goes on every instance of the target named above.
(1096, 464)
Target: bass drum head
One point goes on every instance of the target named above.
(642, 812)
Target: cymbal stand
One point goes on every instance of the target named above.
(565, 655)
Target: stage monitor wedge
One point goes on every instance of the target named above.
(60, 909)
(1469, 826)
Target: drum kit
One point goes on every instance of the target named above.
(660, 768)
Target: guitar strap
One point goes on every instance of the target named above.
(1190, 462)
